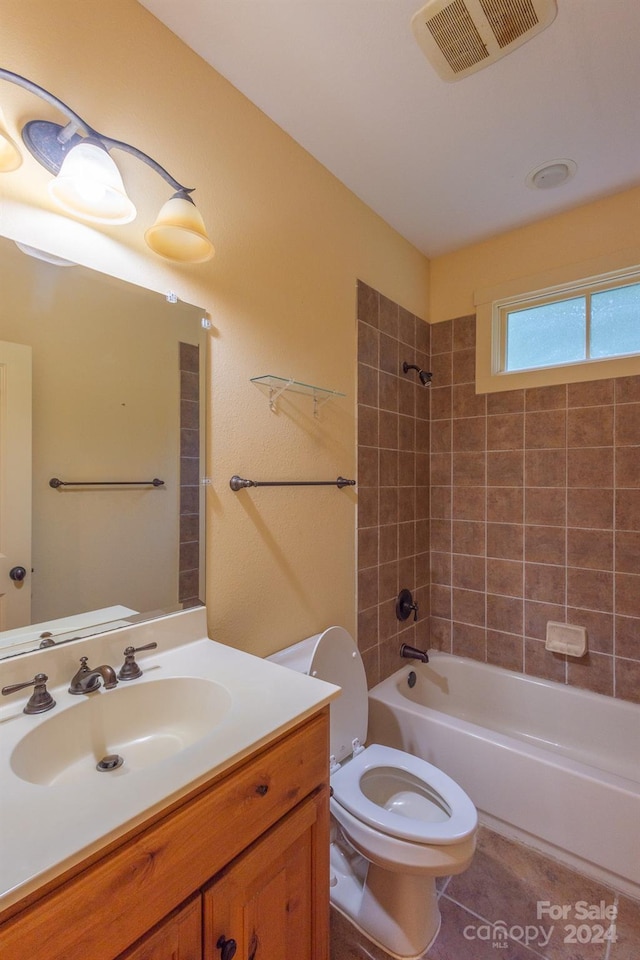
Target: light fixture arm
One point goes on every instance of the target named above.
(128, 148)
(77, 121)
(48, 97)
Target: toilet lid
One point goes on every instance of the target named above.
(337, 660)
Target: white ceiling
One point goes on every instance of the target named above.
(443, 163)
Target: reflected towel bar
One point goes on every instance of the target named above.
(237, 483)
(54, 482)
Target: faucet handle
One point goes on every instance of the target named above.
(40, 700)
(130, 669)
(405, 604)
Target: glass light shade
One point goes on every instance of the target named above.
(38, 254)
(179, 233)
(89, 185)
(10, 156)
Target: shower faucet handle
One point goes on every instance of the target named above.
(405, 604)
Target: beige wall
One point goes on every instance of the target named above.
(589, 232)
(281, 292)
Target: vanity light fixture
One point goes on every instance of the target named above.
(88, 184)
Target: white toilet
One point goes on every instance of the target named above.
(398, 822)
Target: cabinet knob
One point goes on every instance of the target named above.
(227, 948)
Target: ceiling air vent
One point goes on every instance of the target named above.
(461, 36)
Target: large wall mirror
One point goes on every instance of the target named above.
(101, 452)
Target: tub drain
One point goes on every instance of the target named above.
(111, 762)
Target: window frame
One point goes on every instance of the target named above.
(493, 305)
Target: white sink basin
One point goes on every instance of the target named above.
(199, 707)
(143, 724)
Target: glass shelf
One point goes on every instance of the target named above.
(275, 386)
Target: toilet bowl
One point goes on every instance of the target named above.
(398, 822)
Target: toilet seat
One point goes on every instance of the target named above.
(404, 796)
(403, 856)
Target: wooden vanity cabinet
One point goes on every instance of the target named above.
(261, 906)
(244, 859)
(179, 937)
(264, 901)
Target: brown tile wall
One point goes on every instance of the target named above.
(535, 516)
(393, 480)
(499, 512)
(189, 567)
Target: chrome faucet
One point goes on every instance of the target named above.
(87, 680)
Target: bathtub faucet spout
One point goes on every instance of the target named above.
(412, 653)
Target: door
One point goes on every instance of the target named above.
(179, 937)
(271, 903)
(15, 484)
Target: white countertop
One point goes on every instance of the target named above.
(46, 828)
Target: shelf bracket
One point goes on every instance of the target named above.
(275, 392)
(319, 402)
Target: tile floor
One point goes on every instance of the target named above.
(502, 887)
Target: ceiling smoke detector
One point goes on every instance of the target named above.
(553, 173)
(459, 37)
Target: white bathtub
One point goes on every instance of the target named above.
(551, 765)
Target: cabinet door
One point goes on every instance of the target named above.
(179, 937)
(273, 900)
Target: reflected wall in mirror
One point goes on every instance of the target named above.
(117, 375)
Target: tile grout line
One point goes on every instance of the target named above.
(493, 923)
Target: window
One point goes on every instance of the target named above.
(582, 329)
(545, 335)
(604, 321)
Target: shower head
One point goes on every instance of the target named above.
(425, 378)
